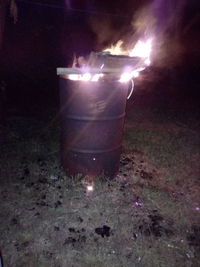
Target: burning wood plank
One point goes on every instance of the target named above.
(104, 63)
(80, 71)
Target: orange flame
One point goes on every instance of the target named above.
(142, 49)
(116, 49)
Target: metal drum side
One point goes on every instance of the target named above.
(92, 121)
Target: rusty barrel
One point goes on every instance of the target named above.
(92, 122)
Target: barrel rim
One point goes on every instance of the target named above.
(89, 151)
(95, 118)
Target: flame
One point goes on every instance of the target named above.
(142, 49)
(125, 77)
(73, 77)
(116, 49)
(135, 74)
(96, 77)
(85, 77)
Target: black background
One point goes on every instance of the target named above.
(48, 34)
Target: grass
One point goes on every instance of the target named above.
(147, 216)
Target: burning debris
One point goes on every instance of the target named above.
(116, 62)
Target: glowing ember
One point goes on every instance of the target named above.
(90, 188)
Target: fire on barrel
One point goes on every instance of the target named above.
(93, 96)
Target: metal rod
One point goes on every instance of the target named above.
(65, 71)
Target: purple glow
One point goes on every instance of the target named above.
(68, 3)
(138, 203)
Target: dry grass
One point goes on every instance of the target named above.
(147, 216)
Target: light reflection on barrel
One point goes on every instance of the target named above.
(92, 122)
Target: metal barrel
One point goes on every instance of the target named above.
(92, 122)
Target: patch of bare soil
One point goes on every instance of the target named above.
(47, 219)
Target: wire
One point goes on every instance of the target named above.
(73, 9)
(132, 88)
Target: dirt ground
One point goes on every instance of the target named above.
(147, 216)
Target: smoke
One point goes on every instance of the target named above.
(159, 16)
(68, 4)
(160, 19)
(144, 21)
(107, 30)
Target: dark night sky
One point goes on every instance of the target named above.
(47, 34)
